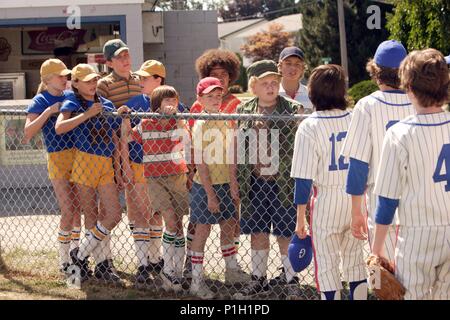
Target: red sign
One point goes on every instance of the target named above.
(55, 37)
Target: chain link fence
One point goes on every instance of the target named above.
(175, 174)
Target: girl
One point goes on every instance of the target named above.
(96, 144)
(316, 160)
(42, 116)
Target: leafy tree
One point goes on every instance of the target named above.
(421, 24)
(241, 9)
(267, 44)
(319, 37)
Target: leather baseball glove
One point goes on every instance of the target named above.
(384, 283)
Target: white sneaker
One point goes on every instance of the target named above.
(233, 276)
(201, 290)
(170, 282)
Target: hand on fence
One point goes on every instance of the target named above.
(94, 110)
(168, 109)
(54, 108)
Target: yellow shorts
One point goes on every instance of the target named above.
(59, 164)
(91, 170)
(138, 172)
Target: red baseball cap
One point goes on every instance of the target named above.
(208, 84)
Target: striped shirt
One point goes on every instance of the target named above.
(371, 118)
(316, 151)
(163, 151)
(414, 168)
(117, 89)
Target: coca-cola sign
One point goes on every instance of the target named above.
(54, 37)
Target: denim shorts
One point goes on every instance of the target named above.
(267, 212)
(198, 201)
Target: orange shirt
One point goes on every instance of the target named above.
(163, 155)
(229, 105)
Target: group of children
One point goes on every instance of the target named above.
(93, 155)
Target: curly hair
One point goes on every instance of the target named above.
(218, 58)
(383, 75)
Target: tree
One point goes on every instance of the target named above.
(421, 24)
(319, 37)
(267, 44)
(245, 9)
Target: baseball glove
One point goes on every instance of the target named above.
(383, 281)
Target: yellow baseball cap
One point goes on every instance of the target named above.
(152, 68)
(84, 72)
(54, 66)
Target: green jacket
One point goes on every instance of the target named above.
(287, 130)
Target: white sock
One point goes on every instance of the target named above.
(197, 265)
(106, 247)
(189, 238)
(75, 235)
(180, 251)
(154, 248)
(168, 250)
(237, 242)
(141, 241)
(64, 238)
(288, 270)
(259, 262)
(98, 253)
(229, 253)
(92, 240)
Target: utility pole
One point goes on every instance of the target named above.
(343, 39)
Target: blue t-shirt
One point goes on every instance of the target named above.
(52, 141)
(141, 103)
(94, 136)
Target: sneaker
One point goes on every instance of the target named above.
(187, 272)
(201, 290)
(170, 282)
(258, 286)
(63, 268)
(142, 275)
(281, 279)
(233, 276)
(292, 289)
(104, 271)
(155, 267)
(83, 265)
(111, 265)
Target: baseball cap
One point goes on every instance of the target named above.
(54, 66)
(300, 252)
(208, 84)
(447, 59)
(291, 51)
(263, 68)
(84, 72)
(390, 54)
(113, 47)
(152, 68)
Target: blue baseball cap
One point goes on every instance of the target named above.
(447, 59)
(291, 51)
(390, 54)
(300, 253)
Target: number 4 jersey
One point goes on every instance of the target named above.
(415, 168)
(317, 144)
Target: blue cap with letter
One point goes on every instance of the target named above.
(300, 252)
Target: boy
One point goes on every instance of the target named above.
(315, 162)
(415, 177)
(291, 66)
(214, 192)
(165, 169)
(264, 183)
(118, 87)
(372, 116)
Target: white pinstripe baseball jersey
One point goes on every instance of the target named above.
(415, 168)
(316, 157)
(372, 116)
(316, 148)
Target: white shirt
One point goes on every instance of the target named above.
(301, 96)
